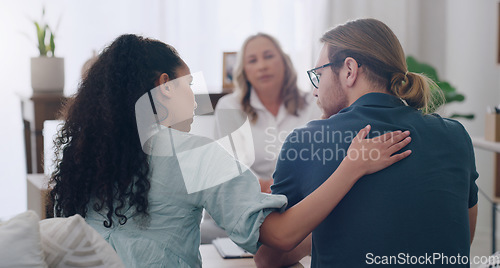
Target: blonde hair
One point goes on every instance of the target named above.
(373, 45)
(289, 93)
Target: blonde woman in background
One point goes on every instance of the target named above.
(267, 92)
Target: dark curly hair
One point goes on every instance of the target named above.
(102, 159)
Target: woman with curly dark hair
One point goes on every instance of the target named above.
(141, 200)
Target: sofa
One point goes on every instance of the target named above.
(27, 241)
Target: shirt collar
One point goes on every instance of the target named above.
(257, 105)
(378, 99)
(255, 101)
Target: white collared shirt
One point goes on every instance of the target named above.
(269, 131)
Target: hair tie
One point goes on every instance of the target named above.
(406, 74)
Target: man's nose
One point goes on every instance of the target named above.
(315, 92)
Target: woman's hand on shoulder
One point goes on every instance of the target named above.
(371, 155)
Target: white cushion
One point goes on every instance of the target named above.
(20, 242)
(71, 242)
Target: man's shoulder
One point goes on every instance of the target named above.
(336, 123)
(323, 131)
(310, 128)
(447, 124)
(451, 122)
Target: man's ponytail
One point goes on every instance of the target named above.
(415, 89)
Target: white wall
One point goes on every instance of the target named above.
(12, 157)
(431, 39)
(459, 37)
(200, 30)
(400, 16)
(83, 27)
(471, 53)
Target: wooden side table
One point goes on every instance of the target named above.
(46, 106)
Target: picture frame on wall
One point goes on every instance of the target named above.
(228, 62)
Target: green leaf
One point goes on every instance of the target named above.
(448, 91)
(417, 67)
(41, 39)
(52, 44)
(453, 96)
(465, 116)
(445, 86)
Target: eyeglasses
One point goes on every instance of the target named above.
(314, 77)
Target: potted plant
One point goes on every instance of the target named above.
(47, 70)
(445, 89)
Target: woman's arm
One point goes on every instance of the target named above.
(286, 230)
(271, 257)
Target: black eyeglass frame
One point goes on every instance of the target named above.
(313, 71)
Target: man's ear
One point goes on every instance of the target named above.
(352, 71)
(162, 84)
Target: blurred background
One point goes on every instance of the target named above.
(459, 38)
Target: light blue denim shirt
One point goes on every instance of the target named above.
(170, 237)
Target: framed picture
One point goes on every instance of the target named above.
(228, 62)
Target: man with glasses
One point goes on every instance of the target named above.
(421, 210)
